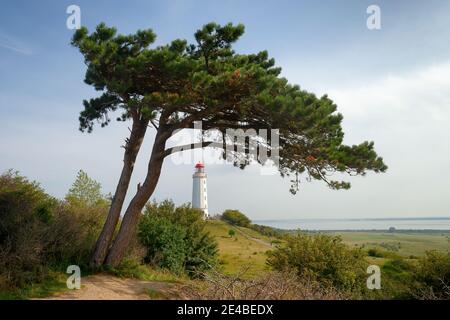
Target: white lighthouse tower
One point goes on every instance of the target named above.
(199, 194)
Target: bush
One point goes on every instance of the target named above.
(175, 238)
(78, 222)
(373, 252)
(266, 230)
(433, 275)
(397, 280)
(323, 258)
(73, 233)
(164, 242)
(235, 217)
(39, 233)
(286, 285)
(25, 213)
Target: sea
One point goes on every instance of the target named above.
(359, 224)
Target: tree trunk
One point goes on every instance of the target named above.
(131, 151)
(130, 220)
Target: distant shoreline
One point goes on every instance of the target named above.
(421, 224)
(355, 219)
(373, 230)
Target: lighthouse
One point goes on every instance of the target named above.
(199, 194)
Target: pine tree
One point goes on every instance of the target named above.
(169, 87)
(85, 190)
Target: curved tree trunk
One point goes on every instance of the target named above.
(131, 217)
(132, 148)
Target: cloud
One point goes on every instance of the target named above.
(13, 44)
(417, 99)
(408, 117)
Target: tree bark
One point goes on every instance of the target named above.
(132, 148)
(131, 217)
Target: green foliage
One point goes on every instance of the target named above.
(398, 269)
(424, 278)
(231, 233)
(85, 191)
(266, 230)
(380, 253)
(322, 258)
(175, 238)
(179, 83)
(397, 279)
(39, 233)
(131, 268)
(373, 252)
(236, 217)
(433, 273)
(25, 213)
(54, 281)
(164, 242)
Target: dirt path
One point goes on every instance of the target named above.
(107, 287)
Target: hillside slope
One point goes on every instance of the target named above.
(246, 250)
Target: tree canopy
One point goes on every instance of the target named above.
(179, 83)
(172, 86)
(236, 217)
(85, 190)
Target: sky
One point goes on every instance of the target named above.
(392, 86)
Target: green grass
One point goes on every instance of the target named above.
(131, 269)
(402, 243)
(54, 283)
(155, 294)
(239, 252)
(255, 234)
(377, 261)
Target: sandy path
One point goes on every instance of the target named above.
(107, 287)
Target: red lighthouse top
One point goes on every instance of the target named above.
(199, 165)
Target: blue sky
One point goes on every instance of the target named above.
(392, 85)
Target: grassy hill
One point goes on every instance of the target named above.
(245, 250)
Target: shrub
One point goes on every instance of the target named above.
(266, 230)
(164, 242)
(323, 258)
(397, 280)
(39, 233)
(85, 191)
(77, 223)
(231, 233)
(176, 239)
(73, 233)
(235, 217)
(25, 212)
(373, 252)
(433, 275)
(285, 285)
